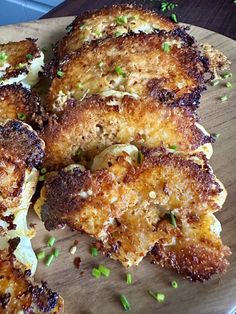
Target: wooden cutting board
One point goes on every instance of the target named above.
(82, 293)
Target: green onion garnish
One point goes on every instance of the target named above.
(173, 147)
(228, 84)
(100, 64)
(43, 170)
(60, 73)
(56, 252)
(215, 82)
(97, 32)
(29, 56)
(122, 20)
(3, 56)
(119, 71)
(227, 75)
(49, 260)
(21, 116)
(96, 273)
(94, 251)
(82, 26)
(118, 33)
(159, 297)
(166, 47)
(51, 241)
(41, 255)
(42, 178)
(174, 284)
(174, 18)
(125, 303)
(128, 279)
(173, 220)
(139, 157)
(20, 65)
(224, 98)
(80, 86)
(104, 270)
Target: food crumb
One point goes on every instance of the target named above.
(77, 262)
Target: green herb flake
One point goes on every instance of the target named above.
(60, 73)
(94, 251)
(104, 270)
(227, 75)
(80, 86)
(229, 84)
(224, 98)
(174, 17)
(166, 47)
(96, 273)
(49, 260)
(173, 147)
(174, 284)
(42, 178)
(82, 26)
(56, 252)
(139, 157)
(159, 297)
(3, 56)
(21, 116)
(120, 71)
(21, 66)
(100, 64)
(125, 303)
(51, 241)
(129, 279)
(173, 220)
(43, 170)
(29, 56)
(120, 20)
(118, 33)
(41, 255)
(215, 82)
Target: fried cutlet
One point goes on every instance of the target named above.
(17, 102)
(126, 195)
(138, 65)
(19, 293)
(20, 62)
(114, 21)
(85, 128)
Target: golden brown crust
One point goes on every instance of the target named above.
(144, 69)
(17, 53)
(85, 28)
(16, 99)
(197, 255)
(87, 125)
(15, 283)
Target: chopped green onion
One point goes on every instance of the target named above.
(228, 84)
(166, 47)
(227, 75)
(125, 303)
(128, 279)
(94, 251)
(97, 32)
(139, 157)
(224, 98)
(20, 65)
(100, 64)
(82, 26)
(174, 18)
(159, 297)
(42, 178)
(49, 260)
(174, 284)
(21, 116)
(173, 220)
(80, 86)
(29, 56)
(215, 135)
(118, 33)
(41, 255)
(96, 273)
(51, 241)
(3, 56)
(135, 17)
(173, 147)
(122, 20)
(60, 73)
(215, 82)
(43, 170)
(119, 71)
(56, 252)
(104, 270)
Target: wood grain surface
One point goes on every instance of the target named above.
(85, 295)
(218, 15)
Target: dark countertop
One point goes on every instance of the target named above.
(218, 15)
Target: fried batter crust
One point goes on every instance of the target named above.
(15, 99)
(94, 124)
(135, 64)
(19, 292)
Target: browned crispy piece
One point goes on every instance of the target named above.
(114, 21)
(18, 56)
(197, 253)
(16, 100)
(18, 292)
(95, 123)
(136, 64)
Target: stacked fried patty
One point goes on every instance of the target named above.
(125, 87)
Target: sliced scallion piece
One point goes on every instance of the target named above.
(56, 252)
(104, 270)
(227, 75)
(21, 116)
(120, 71)
(94, 251)
(139, 157)
(174, 284)
(3, 56)
(49, 260)
(41, 255)
(120, 20)
(129, 279)
(229, 84)
(43, 170)
(42, 178)
(215, 82)
(173, 220)
(174, 18)
(166, 47)
(173, 147)
(51, 241)
(60, 73)
(224, 98)
(159, 297)
(29, 56)
(125, 303)
(96, 273)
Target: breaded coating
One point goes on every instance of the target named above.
(19, 293)
(122, 200)
(197, 252)
(137, 65)
(93, 124)
(20, 62)
(17, 102)
(115, 21)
